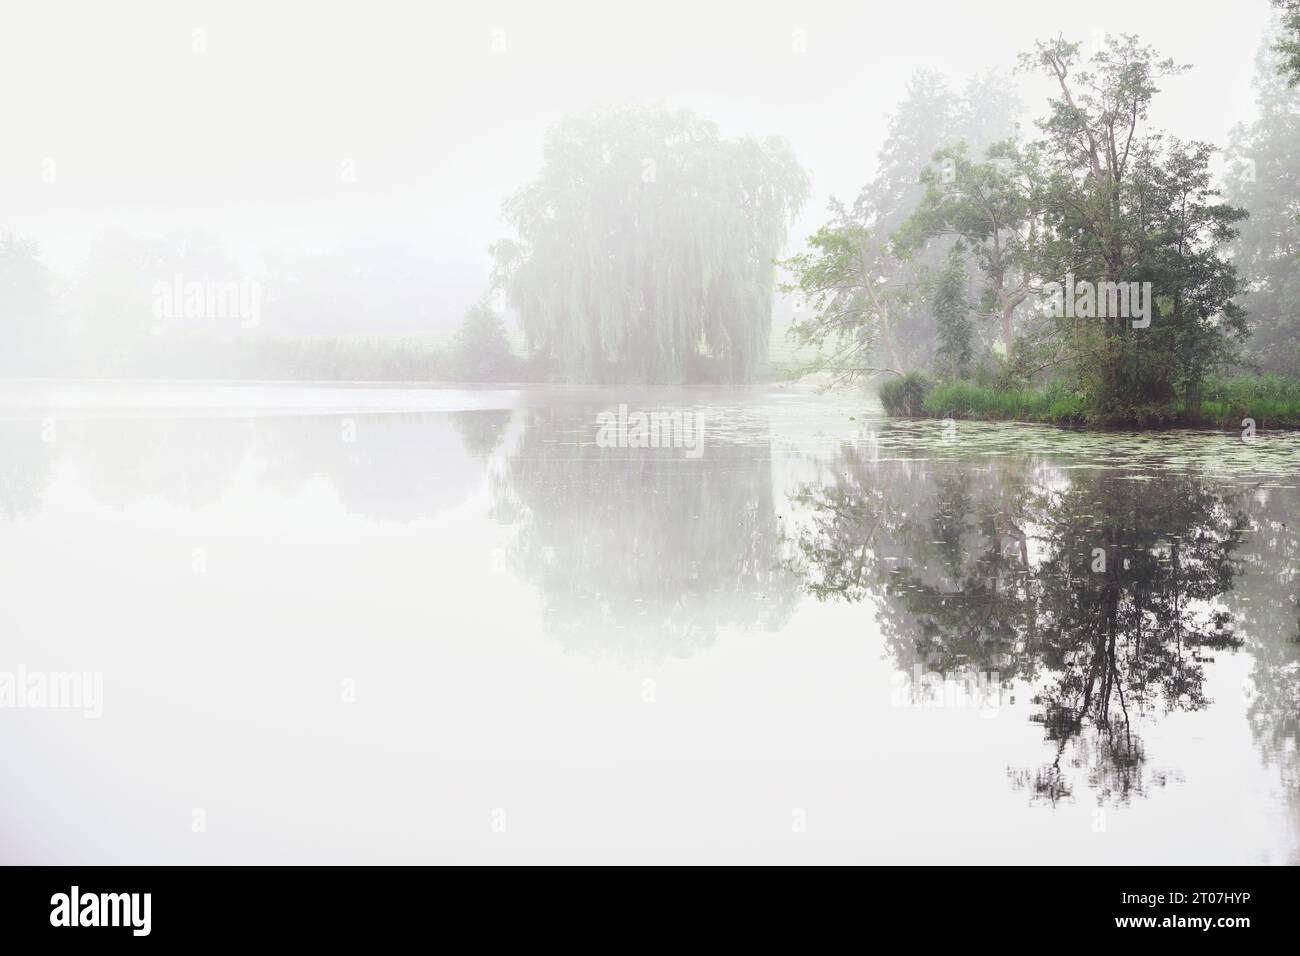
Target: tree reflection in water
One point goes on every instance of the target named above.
(644, 554)
(980, 565)
(1102, 590)
(1266, 607)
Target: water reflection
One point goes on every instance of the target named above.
(1095, 595)
(1266, 607)
(483, 430)
(644, 554)
(397, 468)
(1103, 594)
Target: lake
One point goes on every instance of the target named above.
(397, 624)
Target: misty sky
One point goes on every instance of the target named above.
(254, 137)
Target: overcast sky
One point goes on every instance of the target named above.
(253, 126)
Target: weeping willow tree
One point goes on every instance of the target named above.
(644, 250)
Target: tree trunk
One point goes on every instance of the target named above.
(890, 348)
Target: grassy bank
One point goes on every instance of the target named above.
(1270, 400)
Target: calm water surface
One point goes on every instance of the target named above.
(418, 625)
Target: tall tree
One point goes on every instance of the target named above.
(646, 245)
(1263, 175)
(859, 292)
(1123, 203)
(990, 206)
(867, 298)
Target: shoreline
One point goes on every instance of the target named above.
(1118, 425)
(1228, 404)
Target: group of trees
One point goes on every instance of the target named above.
(974, 230)
(1263, 175)
(102, 321)
(866, 299)
(645, 248)
(644, 251)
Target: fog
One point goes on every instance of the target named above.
(690, 433)
(302, 129)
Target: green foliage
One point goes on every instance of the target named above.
(951, 308)
(866, 293)
(648, 240)
(1271, 400)
(991, 567)
(970, 400)
(1101, 197)
(990, 206)
(1124, 203)
(1287, 44)
(903, 396)
(854, 308)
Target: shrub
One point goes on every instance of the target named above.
(1055, 403)
(1271, 400)
(903, 396)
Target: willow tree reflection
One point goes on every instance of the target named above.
(1099, 593)
(643, 554)
(1130, 601)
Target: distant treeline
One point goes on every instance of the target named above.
(301, 358)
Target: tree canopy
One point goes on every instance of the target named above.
(644, 249)
(868, 297)
(1101, 199)
(1263, 175)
